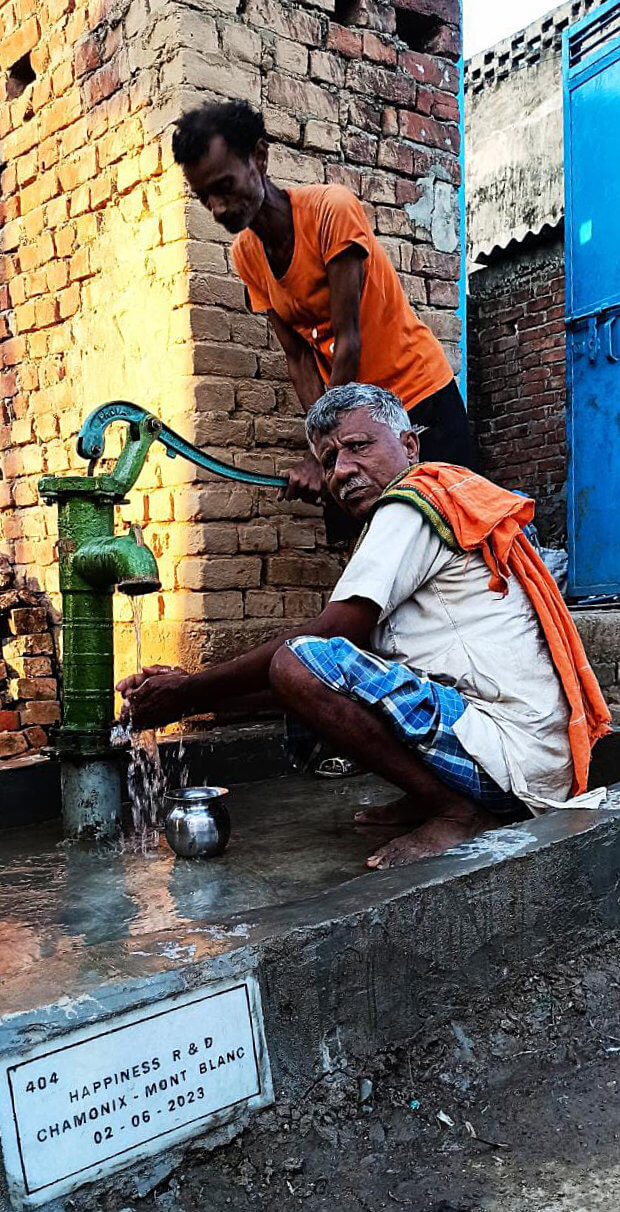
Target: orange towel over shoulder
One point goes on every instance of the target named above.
(481, 515)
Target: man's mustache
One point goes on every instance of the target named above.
(352, 485)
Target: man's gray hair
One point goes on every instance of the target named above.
(382, 405)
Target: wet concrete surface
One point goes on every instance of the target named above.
(292, 838)
(349, 962)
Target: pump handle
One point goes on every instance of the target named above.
(91, 442)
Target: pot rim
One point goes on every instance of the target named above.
(195, 796)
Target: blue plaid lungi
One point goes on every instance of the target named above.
(421, 711)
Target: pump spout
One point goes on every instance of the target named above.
(121, 560)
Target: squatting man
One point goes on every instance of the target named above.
(446, 660)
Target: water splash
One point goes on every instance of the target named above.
(146, 782)
(146, 786)
(183, 761)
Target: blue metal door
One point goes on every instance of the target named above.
(592, 174)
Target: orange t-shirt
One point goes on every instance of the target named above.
(398, 352)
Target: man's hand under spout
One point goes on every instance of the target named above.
(156, 696)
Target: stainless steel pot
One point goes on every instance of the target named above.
(198, 823)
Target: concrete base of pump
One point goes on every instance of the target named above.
(91, 798)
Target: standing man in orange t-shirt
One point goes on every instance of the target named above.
(309, 259)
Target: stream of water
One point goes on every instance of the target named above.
(146, 781)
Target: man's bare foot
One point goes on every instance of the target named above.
(403, 811)
(431, 839)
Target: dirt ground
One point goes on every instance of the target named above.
(514, 1108)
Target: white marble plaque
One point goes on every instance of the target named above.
(103, 1097)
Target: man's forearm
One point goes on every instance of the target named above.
(158, 696)
(306, 380)
(249, 673)
(346, 364)
(243, 675)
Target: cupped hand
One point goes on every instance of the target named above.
(154, 697)
(305, 482)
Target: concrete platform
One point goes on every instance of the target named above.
(347, 962)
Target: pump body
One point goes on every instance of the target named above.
(93, 561)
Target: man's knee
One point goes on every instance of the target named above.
(288, 675)
(284, 673)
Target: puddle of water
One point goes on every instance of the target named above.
(499, 844)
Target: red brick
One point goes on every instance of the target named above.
(103, 83)
(447, 41)
(424, 100)
(12, 744)
(430, 132)
(373, 81)
(345, 41)
(342, 174)
(79, 266)
(443, 294)
(394, 153)
(100, 191)
(8, 384)
(39, 713)
(46, 311)
(13, 351)
(36, 737)
(373, 14)
(57, 275)
(87, 56)
(445, 108)
(62, 112)
(64, 240)
(379, 49)
(9, 721)
(45, 187)
(76, 171)
(31, 689)
(302, 97)
(63, 78)
(424, 69)
(427, 261)
(360, 148)
(27, 620)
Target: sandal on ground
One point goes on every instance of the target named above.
(337, 768)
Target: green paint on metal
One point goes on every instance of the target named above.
(120, 561)
(92, 562)
(91, 442)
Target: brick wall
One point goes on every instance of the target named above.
(600, 634)
(517, 392)
(29, 695)
(117, 284)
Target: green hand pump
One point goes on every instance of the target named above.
(93, 561)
